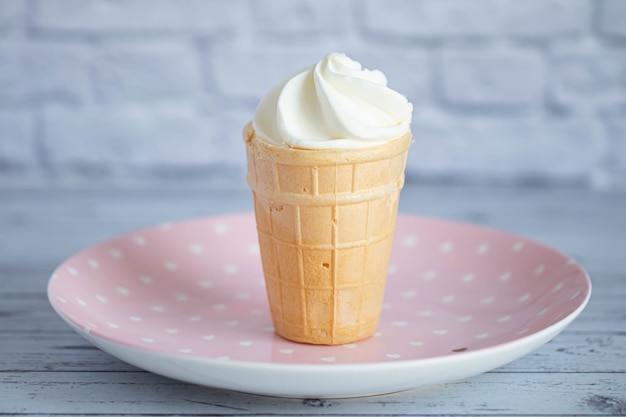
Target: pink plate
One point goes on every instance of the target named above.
(187, 300)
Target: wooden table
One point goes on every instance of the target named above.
(47, 369)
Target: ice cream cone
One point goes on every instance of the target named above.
(325, 221)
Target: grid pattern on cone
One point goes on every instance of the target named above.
(325, 232)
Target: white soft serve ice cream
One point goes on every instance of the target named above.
(334, 104)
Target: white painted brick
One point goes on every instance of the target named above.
(507, 149)
(127, 138)
(490, 78)
(17, 149)
(588, 77)
(146, 72)
(136, 16)
(407, 69)
(301, 17)
(246, 72)
(432, 18)
(43, 71)
(11, 15)
(545, 18)
(612, 17)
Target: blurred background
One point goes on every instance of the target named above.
(154, 93)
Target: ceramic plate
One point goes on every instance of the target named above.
(187, 300)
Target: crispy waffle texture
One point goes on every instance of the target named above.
(325, 221)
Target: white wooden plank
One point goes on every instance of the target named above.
(144, 393)
(42, 228)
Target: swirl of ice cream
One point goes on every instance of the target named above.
(333, 105)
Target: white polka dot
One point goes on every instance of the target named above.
(399, 323)
(487, 300)
(575, 295)
(410, 241)
(540, 269)
(408, 294)
(171, 331)
(158, 309)
(243, 295)
(543, 311)
(425, 313)
(392, 269)
(223, 358)
(254, 249)
(482, 249)
(102, 299)
(256, 312)
(518, 246)
(61, 299)
(140, 240)
(571, 261)
(246, 343)
(196, 249)
(286, 351)
(524, 298)
(181, 297)
(185, 350)
(328, 359)
(123, 291)
(558, 287)
(268, 329)
(522, 331)
(429, 275)
(230, 269)
(171, 266)
(145, 279)
(81, 301)
(115, 253)
(136, 319)
(468, 278)
(504, 319)
(90, 324)
(221, 228)
(165, 226)
(482, 336)
(448, 299)
(351, 346)
(393, 355)
(72, 271)
(194, 319)
(113, 325)
(148, 339)
(93, 263)
(416, 343)
(386, 306)
(504, 277)
(219, 306)
(378, 334)
(440, 332)
(205, 283)
(208, 337)
(446, 247)
(465, 319)
(232, 323)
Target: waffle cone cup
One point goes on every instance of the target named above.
(325, 222)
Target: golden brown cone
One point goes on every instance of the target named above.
(325, 221)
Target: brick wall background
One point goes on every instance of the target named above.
(156, 92)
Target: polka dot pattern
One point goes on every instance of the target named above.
(196, 288)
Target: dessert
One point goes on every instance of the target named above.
(326, 155)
